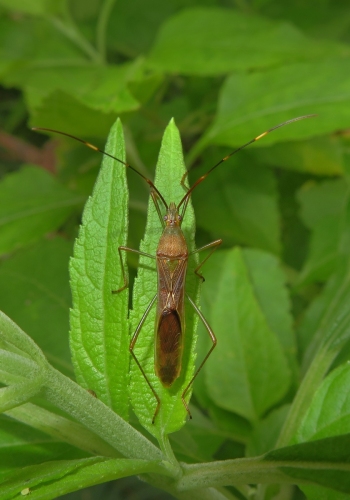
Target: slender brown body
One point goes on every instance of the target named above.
(172, 256)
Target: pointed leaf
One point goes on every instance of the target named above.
(172, 414)
(47, 480)
(99, 327)
(329, 412)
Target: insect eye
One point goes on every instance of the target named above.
(179, 217)
(165, 217)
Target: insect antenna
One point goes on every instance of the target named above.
(95, 148)
(185, 199)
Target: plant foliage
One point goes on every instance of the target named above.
(271, 411)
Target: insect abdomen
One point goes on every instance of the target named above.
(168, 349)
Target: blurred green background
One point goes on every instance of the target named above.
(226, 71)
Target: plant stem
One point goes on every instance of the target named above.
(101, 29)
(234, 472)
(168, 452)
(70, 30)
(93, 414)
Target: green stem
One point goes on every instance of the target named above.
(101, 29)
(235, 472)
(70, 31)
(62, 429)
(94, 415)
(168, 452)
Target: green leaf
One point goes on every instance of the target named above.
(321, 493)
(324, 209)
(251, 103)
(228, 203)
(24, 39)
(33, 203)
(248, 372)
(269, 283)
(172, 413)
(327, 330)
(329, 412)
(265, 434)
(15, 340)
(145, 23)
(39, 7)
(17, 394)
(23, 377)
(204, 41)
(64, 112)
(102, 88)
(59, 429)
(21, 446)
(318, 155)
(57, 478)
(35, 293)
(99, 326)
(324, 462)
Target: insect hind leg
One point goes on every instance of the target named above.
(214, 341)
(131, 349)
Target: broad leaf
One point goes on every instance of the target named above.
(35, 293)
(251, 103)
(319, 155)
(39, 7)
(248, 372)
(238, 203)
(102, 88)
(33, 203)
(216, 41)
(65, 112)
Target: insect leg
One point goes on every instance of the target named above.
(131, 349)
(125, 277)
(213, 339)
(213, 245)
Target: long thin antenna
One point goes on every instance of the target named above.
(95, 148)
(201, 179)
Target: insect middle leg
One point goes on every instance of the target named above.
(143, 319)
(213, 246)
(125, 277)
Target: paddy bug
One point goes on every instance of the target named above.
(171, 259)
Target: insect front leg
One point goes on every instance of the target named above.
(214, 341)
(131, 349)
(125, 277)
(213, 246)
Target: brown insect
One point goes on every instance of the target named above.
(171, 261)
